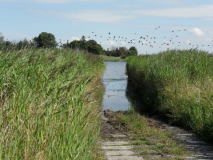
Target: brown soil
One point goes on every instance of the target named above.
(110, 126)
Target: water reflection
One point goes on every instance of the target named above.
(134, 99)
(115, 82)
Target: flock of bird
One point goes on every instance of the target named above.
(153, 41)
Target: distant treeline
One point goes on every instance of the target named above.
(47, 40)
(122, 52)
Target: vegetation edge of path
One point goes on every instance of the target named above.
(49, 104)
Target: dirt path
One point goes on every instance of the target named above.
(119, 142)
(199, 148)
(116, 145)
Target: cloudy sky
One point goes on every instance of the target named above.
(149, 25)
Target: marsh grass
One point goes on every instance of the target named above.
(178, 84)
(48, 105)
(111, 59)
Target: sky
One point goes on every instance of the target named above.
(151, 26)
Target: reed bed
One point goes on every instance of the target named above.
(111, 59)
(178, 85)
(47, 104)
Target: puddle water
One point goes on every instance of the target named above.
(115, 82)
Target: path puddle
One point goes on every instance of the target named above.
(115, 82)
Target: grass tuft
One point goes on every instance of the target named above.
(111, 59)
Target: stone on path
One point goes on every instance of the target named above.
(125, 158)
(119, 150)
(116, 147)
(117, 135)
(119, 153)
(115, 143)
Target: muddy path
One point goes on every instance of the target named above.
(187, 145)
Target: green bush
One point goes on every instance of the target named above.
(45, 40)
(133, 51)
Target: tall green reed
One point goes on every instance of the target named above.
(177, 84)
(47, 105)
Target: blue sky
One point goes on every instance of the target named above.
(191, 21)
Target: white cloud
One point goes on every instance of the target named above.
(187, 42)
(197, 32)
(106, 16)
(208, 39)
(7, 0)
(108, 43)
(74, 38)
(65, 1)
(124, 43)
(184, 12)
(209, 19)
(52, 1)
(103, 16)
(97, 16)
(16, 36)
(168, 2)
